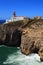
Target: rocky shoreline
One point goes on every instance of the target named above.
(28, 35)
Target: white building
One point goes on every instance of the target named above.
(15, 18)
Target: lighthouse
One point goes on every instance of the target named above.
(15, 18)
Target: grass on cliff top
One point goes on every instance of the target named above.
(25, 24)
(17, 23)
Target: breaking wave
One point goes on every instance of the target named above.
(19, 59)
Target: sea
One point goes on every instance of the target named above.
(13, 56)
(2, 21)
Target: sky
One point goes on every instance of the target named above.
(29, 8)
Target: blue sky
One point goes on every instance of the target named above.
(29, 8)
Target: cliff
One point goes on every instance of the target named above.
(27, 34)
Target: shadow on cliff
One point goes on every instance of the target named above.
(12, 39)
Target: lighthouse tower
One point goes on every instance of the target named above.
(14, 14)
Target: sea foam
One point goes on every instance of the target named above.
(21, 59)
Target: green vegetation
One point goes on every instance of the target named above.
(26, 23)
(17, 23)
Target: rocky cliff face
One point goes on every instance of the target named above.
(10, 35)
(28, 35)
(32, 42)
(32, 38)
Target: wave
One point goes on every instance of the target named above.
(21, 59)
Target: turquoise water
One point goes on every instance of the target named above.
(13, 56)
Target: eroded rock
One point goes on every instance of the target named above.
(32, 42)
(10, 36)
